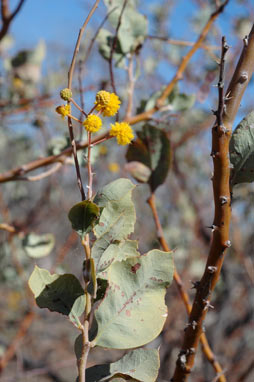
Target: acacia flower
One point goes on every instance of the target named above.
(66, 94)
(123, 133)
(63, 110)
(93, 123)
(108, 103)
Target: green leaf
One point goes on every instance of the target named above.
(82, 216)
(37, 246)
(133, 310)
(58, 293)
(152, 149)
(241, 149)
(116, 220)
(141, 365)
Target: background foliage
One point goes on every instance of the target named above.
(32, 72)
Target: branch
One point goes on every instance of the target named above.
(221, 134)
(18, 172)
(70, 75)
(182, 43)
(184, 296)
(161, 100)
(7, 17)
(14, 174)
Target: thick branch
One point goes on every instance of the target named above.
(184, 295)
(221, 134)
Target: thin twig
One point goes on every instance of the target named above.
(70, 76)
(7, 17)
(15, 173)
(44, 174)
(89, 49)
(23, 327)
(221, 134)
(113, 48)
(167, 91)
(76, 50)
(182, 43)
(184, 296)
(131, 86)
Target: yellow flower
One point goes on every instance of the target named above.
(123, 133)
(108, 103)
(63, 110)
(113, 167)
(93, 123)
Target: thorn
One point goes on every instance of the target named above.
(195, 284)
(243, 78)
(223, 129)
(214, 112)
(193, 324)
(214, 154)
(207, 304)
(212, 227)
(226, 98)
(223, 200)
(212, 269)
(228, 244)
(245, 41)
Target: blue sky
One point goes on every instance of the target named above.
(59, 20)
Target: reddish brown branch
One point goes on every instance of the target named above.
(7, 17)
(184, 296)
(24, 326)
(221, 134)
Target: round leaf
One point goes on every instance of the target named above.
(83, 216)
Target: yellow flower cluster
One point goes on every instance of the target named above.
(63, 110)
(123, 133)
(107, 103)
(93, 123)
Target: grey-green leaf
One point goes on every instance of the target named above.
(140, 365)
(37, 246)
(58, 293)
(116, 221)
(133, 310)
(105, 40)
(83, 216)
(241, 150)
(152, 149)
(138, 171)
(175, 102)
